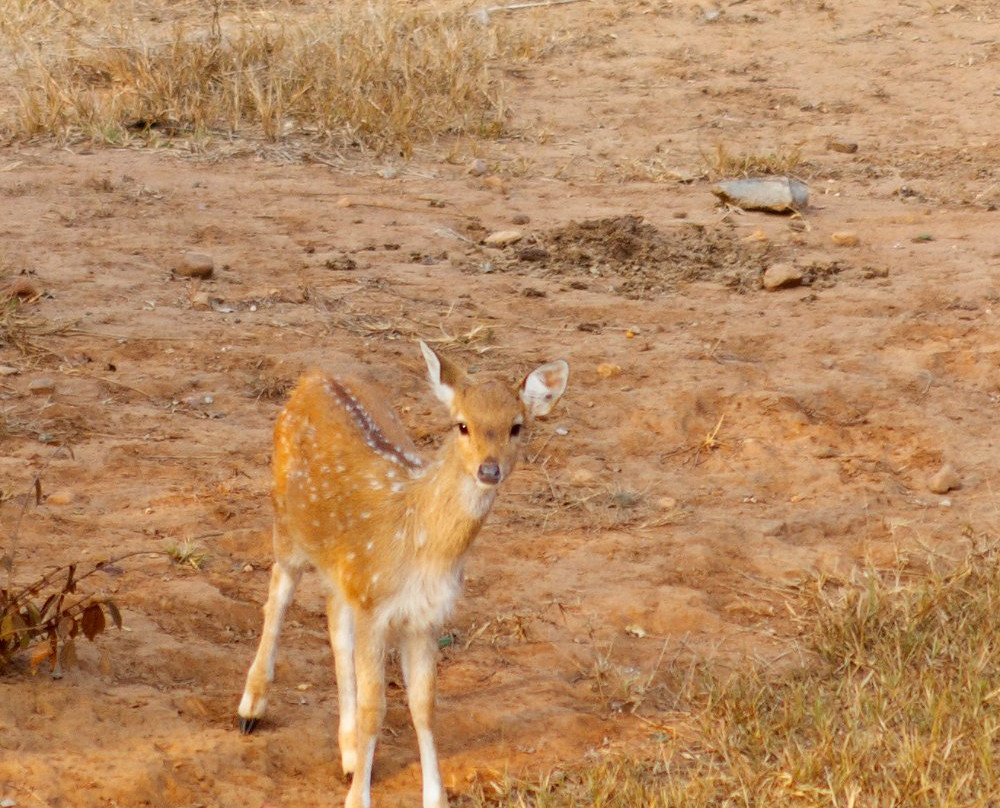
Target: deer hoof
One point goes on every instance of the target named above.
(247, 725)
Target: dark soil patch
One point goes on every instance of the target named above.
(632, 258)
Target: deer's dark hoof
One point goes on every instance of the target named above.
(247, 725)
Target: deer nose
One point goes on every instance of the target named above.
(489, 472)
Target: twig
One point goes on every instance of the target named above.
(539, 4)
(36, 486)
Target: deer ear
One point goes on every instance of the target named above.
(542, 388)
(442, 374)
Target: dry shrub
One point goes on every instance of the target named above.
(377, 75)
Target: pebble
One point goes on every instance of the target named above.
(195, 265)
(203, 300)
(845, 238)
(946, 479)
(841, 145)
(607, 370)
(23, 289)
(42, 386)
(62, 497)
(495, 183)
(478, 167)
(782, 276)
(582, 477)
(533, 253)
(503, 238)
(7, 370)
(521, 218)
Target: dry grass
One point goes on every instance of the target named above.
(376, 75)
(898, 707)
(723, 163)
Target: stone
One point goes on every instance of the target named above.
(62, 497)
(845, 238)
(22, 289)
(944, 480)
(42, 386)
(782, 276)
(495, 183)
(775, 194)
(503, 238)
(478, 167)
(195, 265)
(841, 145)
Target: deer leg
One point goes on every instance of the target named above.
(369, 666)
(419, 657)
(340, 619)
(284, 579)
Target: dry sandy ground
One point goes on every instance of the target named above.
(718, 445)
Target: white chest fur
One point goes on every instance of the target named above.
(423, 601)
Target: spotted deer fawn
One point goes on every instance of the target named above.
(388, 531)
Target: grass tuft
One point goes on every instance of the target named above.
(898, 706)
(724, 163)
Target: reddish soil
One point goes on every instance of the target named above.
(718, 445)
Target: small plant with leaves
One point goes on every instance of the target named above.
(49, 613)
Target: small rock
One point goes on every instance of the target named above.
(195, 265)
(521, 218)
(666, 503)
(503, 238)
(608, 369)
(946, 479)
(840, 145)
(62, 497)
(582, 477)
(478, 167)
(534, 253)
(782, 276)
(203, 300)
(7, 370)
(775, 194)
(42, 386)
(495, 183)
(845, 238)
(22, 289)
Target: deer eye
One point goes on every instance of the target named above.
(515, 430)
(463, 428)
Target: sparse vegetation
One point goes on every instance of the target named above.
(187, 553)
(48, 613)
(376, 75)
(897, 705)
(725, 163)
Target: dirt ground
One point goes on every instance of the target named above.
(719, 445)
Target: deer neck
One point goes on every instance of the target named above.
(448, 507)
